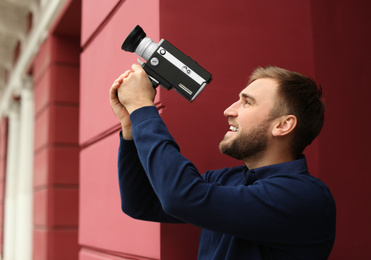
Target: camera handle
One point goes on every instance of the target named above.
(154, 82)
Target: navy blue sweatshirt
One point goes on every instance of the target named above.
(273, 212)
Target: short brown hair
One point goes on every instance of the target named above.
(299, 96)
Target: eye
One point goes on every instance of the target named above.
(246, 102)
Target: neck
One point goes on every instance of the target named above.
(269, 157)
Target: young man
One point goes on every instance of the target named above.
(269, 208)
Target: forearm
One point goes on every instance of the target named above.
(170, 174)
(138, 199)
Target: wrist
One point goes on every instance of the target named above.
(132, 108)
(126, 132)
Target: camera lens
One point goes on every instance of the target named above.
(134, 38)
(140, 44)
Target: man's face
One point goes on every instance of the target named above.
(249, 120)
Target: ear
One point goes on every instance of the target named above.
(284, 125)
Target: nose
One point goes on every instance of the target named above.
(231, 111)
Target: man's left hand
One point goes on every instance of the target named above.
(136, 90)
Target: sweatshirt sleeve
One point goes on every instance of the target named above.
(138, 199)
(260, 212)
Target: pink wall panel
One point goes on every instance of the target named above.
(42, 60)
(41, 168)
(65, 49)
(47, 244)
(64, 173)
(102, 223)
(40, 247)
(57, 124)
(103, 61)
(54, 207)
(40, 212)
(56, 165)
(65, 121)
(67, 237)
(55, 49)
(41, 130)
(3, 137)
(103, 227)
(42, 91)
(2, 196)
(64, 201)
(90, 254)
(93, 15)
(66, 90)
(50, 89)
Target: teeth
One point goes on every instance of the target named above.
(233, 128)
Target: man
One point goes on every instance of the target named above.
(269, 208)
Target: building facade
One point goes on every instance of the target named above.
(59, 195)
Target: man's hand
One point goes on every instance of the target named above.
(119, 110)
(136, 90)
(130, 91)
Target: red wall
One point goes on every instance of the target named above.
(342, 43)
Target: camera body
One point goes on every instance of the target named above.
(167, 66)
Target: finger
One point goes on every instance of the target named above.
(125, 74)
(113, 91)
(117, 82)
(121, 78)
(135, 67)
(114, 88)
(115, 85)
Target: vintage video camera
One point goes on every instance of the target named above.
(166, 65)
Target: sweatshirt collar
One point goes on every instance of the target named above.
(298, 166)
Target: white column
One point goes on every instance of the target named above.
(18, 208)
(24, 218)
(11, 178)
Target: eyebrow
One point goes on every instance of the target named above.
(246, 96)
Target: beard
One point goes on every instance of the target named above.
(246, 145)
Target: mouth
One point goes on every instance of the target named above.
(233, 128)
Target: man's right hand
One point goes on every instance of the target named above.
(119, 110)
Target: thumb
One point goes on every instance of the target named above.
(136, 67)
